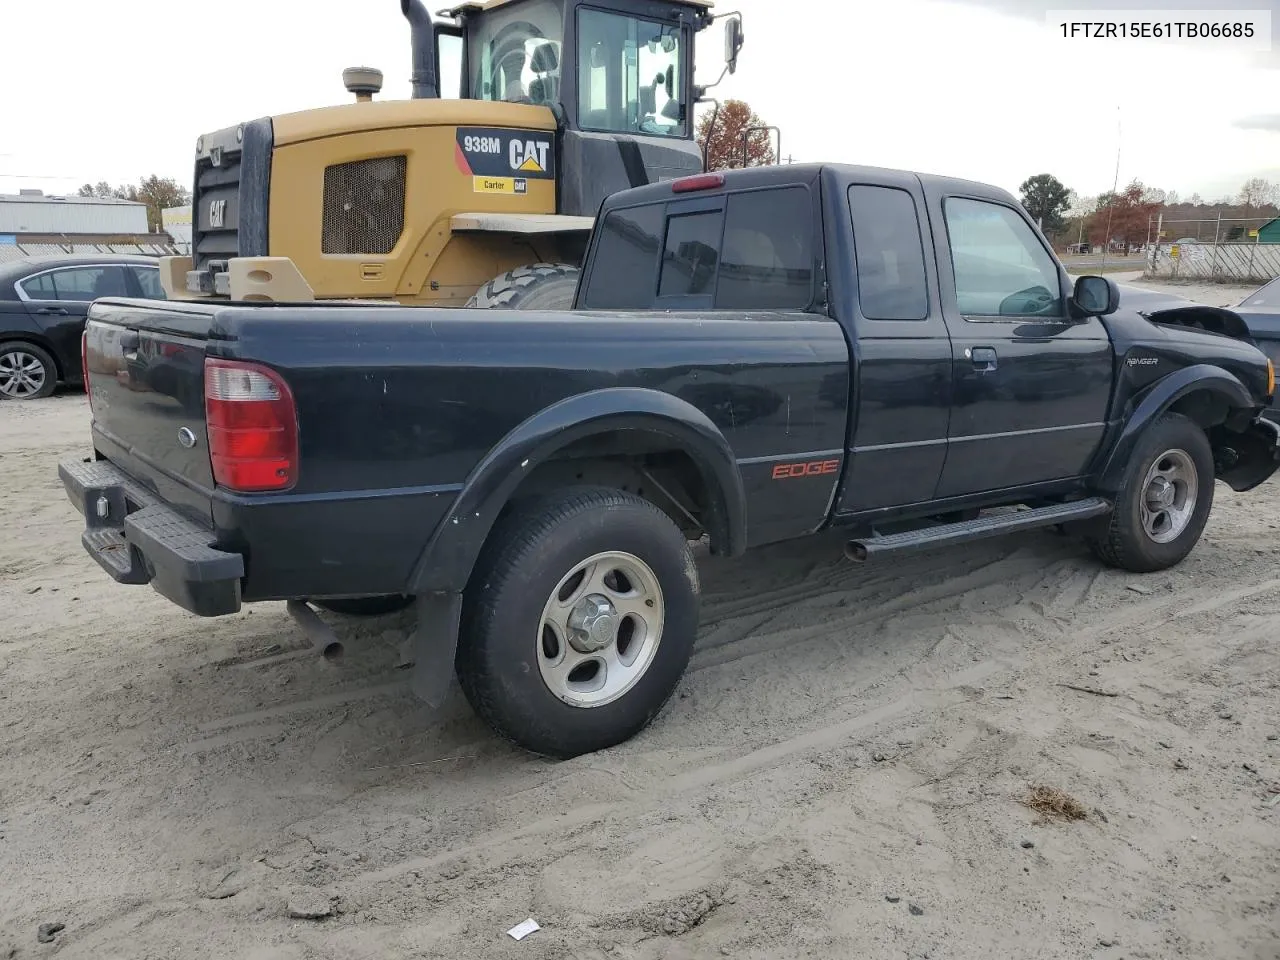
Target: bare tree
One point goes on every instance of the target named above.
(1257, 192)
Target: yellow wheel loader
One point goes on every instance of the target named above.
(482, 196)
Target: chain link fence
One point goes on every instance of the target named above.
(1223, 250)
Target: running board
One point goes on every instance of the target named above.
(948, 533)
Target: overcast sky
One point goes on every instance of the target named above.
(972, 88)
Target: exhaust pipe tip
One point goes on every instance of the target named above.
(855, 551)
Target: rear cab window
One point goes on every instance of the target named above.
(889, 249)
(750, 250)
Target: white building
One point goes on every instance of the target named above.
(32, 214)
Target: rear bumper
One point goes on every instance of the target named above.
(137, 539)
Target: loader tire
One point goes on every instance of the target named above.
(538, 286)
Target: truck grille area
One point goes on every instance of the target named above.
(230, 194)
(364, 206)
(216, 208)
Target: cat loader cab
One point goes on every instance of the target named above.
(482, 188)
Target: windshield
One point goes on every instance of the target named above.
(1268, 296)
(516, 54)
(629, 75)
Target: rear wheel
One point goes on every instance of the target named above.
(1164, 498)
(365, 606)
(538, 286)
(578, 622)
(26, 372)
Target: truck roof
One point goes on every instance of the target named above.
(472, 5)
(798, 173)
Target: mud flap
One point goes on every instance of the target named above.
(1245, 460)
(433, 645)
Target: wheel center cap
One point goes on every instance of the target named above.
(592, 624)
(1161, 493)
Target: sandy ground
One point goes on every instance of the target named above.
(840, 774)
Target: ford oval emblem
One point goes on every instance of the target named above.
(186, 438)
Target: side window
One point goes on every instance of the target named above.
(40, 287)
(89, 283)
(625, 262)
(1001, 268)
(690, 256)
(766, 261)
(149, 280)
(890, 254)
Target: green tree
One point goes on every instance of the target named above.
(1046, 199)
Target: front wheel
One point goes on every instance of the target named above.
(1164, 499)
(578, 622)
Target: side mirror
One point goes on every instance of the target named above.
(1095, 296)
(732, 42)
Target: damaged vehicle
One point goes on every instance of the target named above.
(753, 356)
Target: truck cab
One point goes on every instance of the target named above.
(618, 77)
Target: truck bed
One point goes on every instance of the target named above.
(397, 405)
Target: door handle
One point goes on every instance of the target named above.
(983, 358)
(52, 311)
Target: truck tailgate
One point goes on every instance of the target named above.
(145, 369)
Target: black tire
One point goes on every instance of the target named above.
(35, 382)
(530, 552)
(1126, 542)
(538, 286)
(365, 606)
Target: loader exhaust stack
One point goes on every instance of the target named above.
(426, 83)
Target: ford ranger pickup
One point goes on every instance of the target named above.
(752, 357)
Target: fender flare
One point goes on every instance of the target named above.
(446, 562)
(1157, 401)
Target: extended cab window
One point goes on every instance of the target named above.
(625, 264)
(766, 261)
(890, 254)
(1001, 268)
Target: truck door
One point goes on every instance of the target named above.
(1031, 386)
(901, 352)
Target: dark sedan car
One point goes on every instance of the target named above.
(1261, 311)
(43, 304)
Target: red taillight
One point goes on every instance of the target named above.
(701, 181)
(84, 360)
(252, 424)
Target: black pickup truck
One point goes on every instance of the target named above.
(752, 356)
